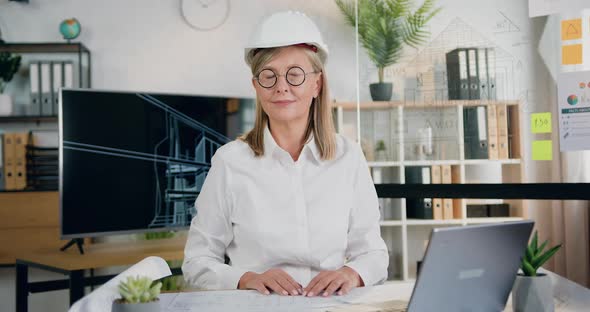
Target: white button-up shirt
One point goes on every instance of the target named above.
(301, 216)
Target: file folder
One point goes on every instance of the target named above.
(483, 73)
(418, 208)
(68, 74)
(474, 91)
(46, 100)
(20, 160)
(457, 74)
(491, 70)
(492, 133)
(437, 203)
(502, 115)
(447, 178)
(1, 162)
(475, 132)
(9, 165)
(34, 108)
(57, 83)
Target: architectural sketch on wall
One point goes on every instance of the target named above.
(425, 79)
(504, 24)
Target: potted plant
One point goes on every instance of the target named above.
(9, 65)
(380, 151)
(532, 290)
(384, 26)
(138, 294)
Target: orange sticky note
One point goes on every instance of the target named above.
(571, 29)
(571, 54)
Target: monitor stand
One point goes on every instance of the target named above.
(78, 241)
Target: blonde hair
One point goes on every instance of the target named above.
(320, 119)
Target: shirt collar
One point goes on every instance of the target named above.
(271, 146)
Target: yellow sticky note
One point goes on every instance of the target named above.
(543, 150)
(571, 29)
(541, 123)
(571, 54)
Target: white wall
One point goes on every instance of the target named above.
(145, 45)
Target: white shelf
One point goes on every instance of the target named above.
(515, 161)
(408, 163)
(405, 236)
(492, 220)
(391, 223)
(434, 222)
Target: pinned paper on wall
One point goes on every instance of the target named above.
(541, 123)
(571, 54)
(571, 29)
(543, 150)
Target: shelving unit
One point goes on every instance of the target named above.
(393, 122)
(19, 87)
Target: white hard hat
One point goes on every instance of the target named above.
(284, 29)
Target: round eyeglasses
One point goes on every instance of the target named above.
(295, 76)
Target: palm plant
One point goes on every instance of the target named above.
(535, 257)
(384, 26)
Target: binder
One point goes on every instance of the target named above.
(68, 74)
(474, 91)
(20, 160)
(34, 108)
(1, 162)
(46, 100)
(491, 70)
(447, 178)
(482, 66)
(502, 116)
(418, 208)
(9, 165)
(57, 83)
(457, 74)
(477, 211)
(475, 132)
(437, 203)
(492, 132)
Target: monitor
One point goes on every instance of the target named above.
(134, 161)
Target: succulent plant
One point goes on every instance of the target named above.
(534, 256)
(139, 290)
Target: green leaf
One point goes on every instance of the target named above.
(541, 248)
(534, 243)
(528, 269)
(540, 260)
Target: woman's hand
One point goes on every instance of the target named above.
(328, 282)
(276, 280)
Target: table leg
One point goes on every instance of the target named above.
(76, 285)
(22, 287)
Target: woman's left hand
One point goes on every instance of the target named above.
(328, 282)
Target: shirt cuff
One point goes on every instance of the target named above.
(229, 277)
(370, 275)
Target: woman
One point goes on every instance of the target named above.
(291, 203)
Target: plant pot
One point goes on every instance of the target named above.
(5, 105)
(381, 91)
(532, 293)
(153, 306)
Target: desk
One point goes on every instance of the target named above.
(73, 264)
(568, 297)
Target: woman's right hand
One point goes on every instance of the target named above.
(276, 280)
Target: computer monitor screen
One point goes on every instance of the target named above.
(134, 162)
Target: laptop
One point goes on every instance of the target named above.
(470, 268)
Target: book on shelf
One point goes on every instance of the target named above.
(499, 210)
(475, 130)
